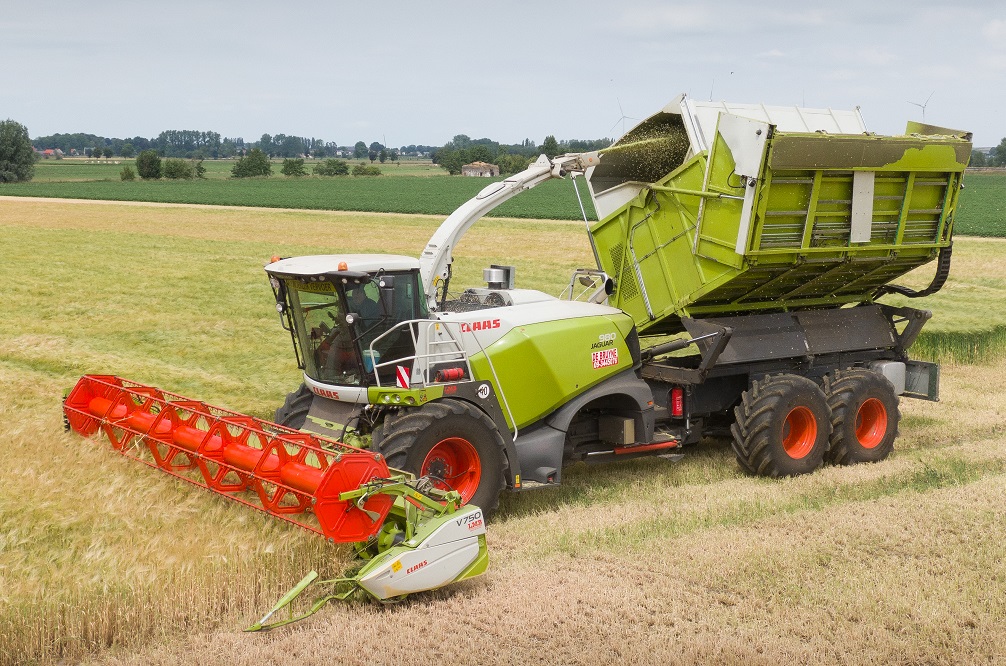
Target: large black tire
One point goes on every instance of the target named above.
(294, 411)
(782, 427)
(450, 439)
(864, 416)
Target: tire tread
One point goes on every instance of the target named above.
(841, 387)
(399, 435)
(754, 419)
(294, 411)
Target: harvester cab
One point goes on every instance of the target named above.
(382, 337)
(336, 306)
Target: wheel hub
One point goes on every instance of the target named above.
(871, 423)
(799, 432)
(455, 465)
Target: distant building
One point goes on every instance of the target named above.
(480, 169)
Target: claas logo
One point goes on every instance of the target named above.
(480, 325)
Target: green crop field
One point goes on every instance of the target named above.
(438, 195)
(106, 561)
(435, 195)
(80, 169)
(982, 203)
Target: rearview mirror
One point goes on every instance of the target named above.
(386, 283)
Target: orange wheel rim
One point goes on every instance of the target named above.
(455, 464)
(871, 423)
(799, 432)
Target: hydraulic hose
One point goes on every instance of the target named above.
(942, 273)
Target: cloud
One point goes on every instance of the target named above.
(842, 75)
(994, 31)
(654, 20)
(874, 56)
(938, 71)
(774, 53)
(864, 58)
(700, 18)
(995, 62)
(799, 17)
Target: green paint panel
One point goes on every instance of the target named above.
(399, 397)
(542, 366)
(673, 249)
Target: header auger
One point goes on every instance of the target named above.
(411, 536)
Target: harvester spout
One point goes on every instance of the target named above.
(435, 261)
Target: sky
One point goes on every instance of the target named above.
(421, 72)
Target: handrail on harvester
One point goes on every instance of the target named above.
(293, 475)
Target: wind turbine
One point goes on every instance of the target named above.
(924, 105)
(713, 85)
(622, 119)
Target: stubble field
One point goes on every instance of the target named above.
(105, 561)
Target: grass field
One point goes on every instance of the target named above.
(435, 195)
(106, 561)
(982, 213)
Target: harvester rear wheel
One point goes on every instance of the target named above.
(782, 427)
(294, 411)
(864, 416)
(452, 441)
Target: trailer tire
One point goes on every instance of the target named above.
(293, 413)
(451, 439)
(782, 427)
(864, 416)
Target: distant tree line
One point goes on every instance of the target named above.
(996, 157)
(461, 150)
(199, 144)
(510, 158)
(149, 166)
(17, 159)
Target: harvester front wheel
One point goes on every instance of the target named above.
(453, 442)
(782, 427)
(294, 411)
(864, 416)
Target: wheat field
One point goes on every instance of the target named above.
(107, 562)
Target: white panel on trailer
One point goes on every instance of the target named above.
(701, 118)
(746, 138)
(862, 206)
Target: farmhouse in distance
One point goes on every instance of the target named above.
(481, 169)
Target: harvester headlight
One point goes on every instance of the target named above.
(397, 398)
(279, 308)
(350, 318)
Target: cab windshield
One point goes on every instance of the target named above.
(335, 352)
